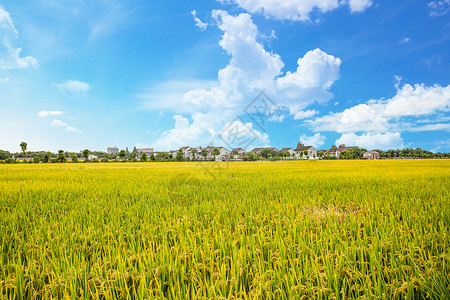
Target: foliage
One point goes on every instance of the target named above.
(144, 157)
(216, 151)
(86, 154)
(122, 154)
(268, 153)
(46, 157)
(355, 153)
(179, 156)
(23, 145)
(60, 157)
(74, 157)
(4, 155)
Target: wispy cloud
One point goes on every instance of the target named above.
(405, 40)
(67, 127)
(46, 113)
(198, 22)
(10, 54)
(438, 8)
(297, 10)
(431, 127)
(73, 87)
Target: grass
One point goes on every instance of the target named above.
(268, 230)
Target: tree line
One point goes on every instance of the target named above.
(265, 154)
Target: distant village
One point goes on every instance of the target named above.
(301, 152)
(211, 153)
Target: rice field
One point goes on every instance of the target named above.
(243, 230)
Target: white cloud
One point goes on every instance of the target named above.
(9, 53)
(67, 127)
(74, 87)
(316, 73)
(384, 141)
(198, 22)
(237, 134)
(431, 127)
(418, 100)
(303, 114)
(316, 140)
(297, 10)
(46, 113)
(357, 6)
(438, 8)
(383, 115)
(251, 69)
(404, 40)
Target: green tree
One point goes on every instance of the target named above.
(204, 153)
(144, 157)
(36, 159)
(320, 154)
(46, 158)
(268, 153)
(24, 145)
(60, 157)
(122, 154)
(305, 153)
(74, 158)
(179, 156)
(152, 157)
(86, 154)
(133, 153)
(4, 155)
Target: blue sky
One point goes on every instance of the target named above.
(92, 74)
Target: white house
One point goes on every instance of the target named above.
(289, 151)
(238, 153)
(311, 152)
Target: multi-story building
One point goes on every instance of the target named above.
(148, 151)
(112, 150)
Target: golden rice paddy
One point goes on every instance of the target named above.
(242, 230)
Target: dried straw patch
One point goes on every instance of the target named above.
(334, 211)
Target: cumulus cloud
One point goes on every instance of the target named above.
(10, 57)
(303, 114)
(67, 127)
(438, 8)
(46, 113)
(316, 73)
(198, 22)
(383, 141)
(237, 134)
(73, 87)
(316, 140)
(250, 70)
(297, 10)
(383, 115)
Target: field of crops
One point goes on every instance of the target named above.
(269, 230)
